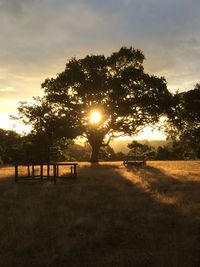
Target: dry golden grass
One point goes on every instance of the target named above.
(109, 216)
(171, 182)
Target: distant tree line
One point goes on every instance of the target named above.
(29, 148)
(35, 148)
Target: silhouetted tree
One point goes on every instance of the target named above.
(10, 146)
(36, 148)
(138, 149)
(171, 151)
(164, 153)
(1, 154)
(49, 126)
(119, 156)
(106, 153)
(184, 124)
(78, 152)
(128, 98)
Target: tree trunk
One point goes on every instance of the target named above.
(95, 139)
(95, 153)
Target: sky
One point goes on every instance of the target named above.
(37, 37)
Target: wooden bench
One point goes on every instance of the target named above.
(31, 170)
(134, 161)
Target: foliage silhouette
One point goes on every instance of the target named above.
(138, 149)
(10, 146)
(184, 122)
(116, 86)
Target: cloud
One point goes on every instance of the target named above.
(37, 37)
(7, 89)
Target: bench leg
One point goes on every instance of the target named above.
(71, 168)
(75, 176)
(57, 170)
(41, 172)
(48, 171)
(16, 173)
(28, 167)
(54, 173)
(33, 171)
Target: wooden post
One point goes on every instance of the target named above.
(33, 171)
(41, 171)
(71, 171)
(48, 171)
(16, 173)
(54, 173)
(75, 171)
(28, 166)
(57, 170)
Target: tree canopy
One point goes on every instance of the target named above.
(139, 149)
(117, 87)
(10, 146)
(184, 122)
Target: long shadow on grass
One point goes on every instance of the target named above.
(102, 219)
(158, 182)
(154, 232)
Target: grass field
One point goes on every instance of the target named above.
(109, 216)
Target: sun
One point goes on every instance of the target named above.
(95, 117)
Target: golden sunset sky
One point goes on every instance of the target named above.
(37, 37)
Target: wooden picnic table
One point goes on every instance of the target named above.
(72, 165)
(31, 167)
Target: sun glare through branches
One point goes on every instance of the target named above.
(95, 117)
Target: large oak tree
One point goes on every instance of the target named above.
(116, 86)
